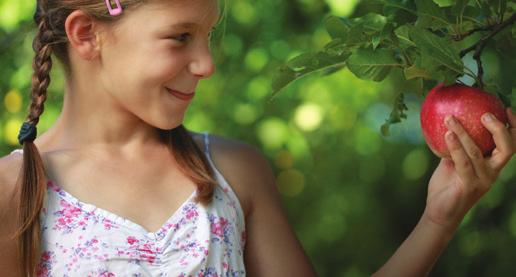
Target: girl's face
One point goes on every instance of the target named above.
(159, 45)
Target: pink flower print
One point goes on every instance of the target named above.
(51, 185)
(69, 210)
(191, 214)
(243, 237)
(105, 273)
(208, 272)
(108, 224)
(146, 248)
(45, 264)
(68, 218)
(131, 240)
(144, 251)
(217, 228)
(150, 259)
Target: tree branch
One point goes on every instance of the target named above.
(459, 37)
(479, 45)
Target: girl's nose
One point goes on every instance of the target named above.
(202, 65)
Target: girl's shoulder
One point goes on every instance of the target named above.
(243, 165)
(10, 166)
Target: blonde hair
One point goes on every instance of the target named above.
(51, 39)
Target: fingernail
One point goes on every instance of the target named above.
(449, 135)
(487, 117)
(449, 120)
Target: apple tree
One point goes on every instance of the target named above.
(428, 41)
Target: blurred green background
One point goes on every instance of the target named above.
(351, 195)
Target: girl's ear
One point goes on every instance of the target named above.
(82, 34)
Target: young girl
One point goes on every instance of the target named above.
(118, 187)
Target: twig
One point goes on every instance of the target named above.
(479, 46)
(459, 37)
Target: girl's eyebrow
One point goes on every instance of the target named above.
(184, 25)
(188, 25)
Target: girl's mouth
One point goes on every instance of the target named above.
(180, 95)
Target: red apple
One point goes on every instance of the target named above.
(467, 105)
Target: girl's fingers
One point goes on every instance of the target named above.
(463, 165)
(475, 156)
(512, 128)
(512, 117)
(502, 139)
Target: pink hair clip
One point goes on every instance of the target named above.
(114, 11)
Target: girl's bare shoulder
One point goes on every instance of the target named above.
(10, 166)
(241, 164)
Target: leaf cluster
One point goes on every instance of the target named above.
(421, 38)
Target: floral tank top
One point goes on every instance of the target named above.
(80, 239)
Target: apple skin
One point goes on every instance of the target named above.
(467, 105)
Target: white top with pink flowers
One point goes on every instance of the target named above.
(80, 239)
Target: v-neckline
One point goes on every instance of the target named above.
(91, 208)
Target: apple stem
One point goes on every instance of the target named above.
(479, 45)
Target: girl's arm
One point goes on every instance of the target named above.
(9, 167)
(272, 248)
(454, 188)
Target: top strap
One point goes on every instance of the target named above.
(207, 144)
(17, 150)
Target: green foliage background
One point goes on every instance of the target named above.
(351, 194)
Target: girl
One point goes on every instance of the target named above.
(102, 192)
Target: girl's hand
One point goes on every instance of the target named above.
(458, 183)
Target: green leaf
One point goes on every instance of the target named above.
(332, 56)
(430, 15)
(415, 72)
(372, 64)
(373, 23)
(401, 16)
(500, 6)
(402, 33)
(376, 41)
(416, 85)
(397, 114)
(506, 100)
(336, 47)
(284, 76)
(301, 62)
(357, 36)
(364, 29)
(513, 100)
(336, 27)
(444, 3)
(459, 7)
(486, 10)
(439, 49)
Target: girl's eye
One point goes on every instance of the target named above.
(183, 37)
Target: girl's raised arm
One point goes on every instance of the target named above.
(454, 188)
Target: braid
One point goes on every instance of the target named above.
(41, 65)
(32, 184)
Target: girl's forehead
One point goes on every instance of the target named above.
(173, 11)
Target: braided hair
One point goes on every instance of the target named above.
(31, 189)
